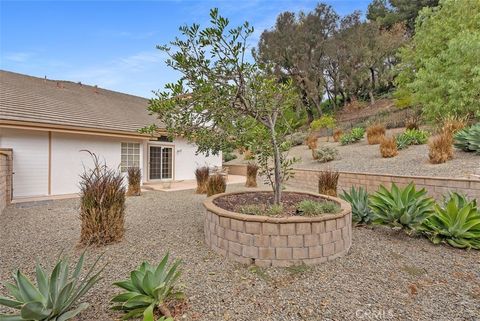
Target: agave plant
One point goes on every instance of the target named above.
(468, 139)
(457, 222)
(358, 199)
(405, 208)
(148, 289)
(54, 297)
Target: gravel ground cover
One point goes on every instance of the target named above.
(385, 276)
(361, 157)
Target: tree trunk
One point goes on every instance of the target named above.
(370, 92)
(306, 104)
(277, 188)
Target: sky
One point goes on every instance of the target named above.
(112, 43)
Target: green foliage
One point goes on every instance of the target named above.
(468, 139)
(297, 138)
(147, 289)
(439, 69)
(314, 208)
(325, 121)
(355, 135)
(228, 156)
(412, 137)
(326, 154)
(358, 199)
(240, 102)
(262, 209)
(457, 223)
(390, 12)
(405, 208)
(54, 297)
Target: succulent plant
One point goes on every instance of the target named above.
(358, 199)
(468, 139)
(148, 289)
(54, 297)
(405, 208)
(457, 222)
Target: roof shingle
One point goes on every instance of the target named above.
(31, 99)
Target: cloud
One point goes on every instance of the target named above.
(127, 74)
(19, 57)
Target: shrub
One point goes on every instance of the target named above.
(358, 133)
(388, 147)
(355, 135)
(228, 156)
(134, 179)
(405, 208)
(327, 182)
(412, 137)
(54, 297)
(312, 141)
(326, 154)
(457, 222)
(358, 199)
(149, 288)
(297, 138)
(202, 174)
(252, 170)
(102, 205)
(261, 209)
(468, 139)
(314, 208)
(326, 121)
(440, 148)
(375, 133)
(337, 133)
(216, 184)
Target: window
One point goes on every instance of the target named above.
(130, 156)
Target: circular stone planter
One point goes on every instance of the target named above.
(271, 241)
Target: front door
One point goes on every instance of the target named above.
(161, 162)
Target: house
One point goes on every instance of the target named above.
(49, 124)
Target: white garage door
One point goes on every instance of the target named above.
(30, 161)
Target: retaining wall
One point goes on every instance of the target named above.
(269, 241)
(437, 187)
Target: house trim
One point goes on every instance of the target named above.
(74, 129)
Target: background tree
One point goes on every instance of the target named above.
(440, 67)
(297, 48)
(388, 13)
(224, 99)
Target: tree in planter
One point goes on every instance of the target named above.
(222, 99)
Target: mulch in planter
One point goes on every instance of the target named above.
(290, 200)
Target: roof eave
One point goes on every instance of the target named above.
(4, 123)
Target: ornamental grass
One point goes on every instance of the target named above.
(252, 170)
(201, 174)
(102, 205)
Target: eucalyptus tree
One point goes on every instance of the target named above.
(224, 98)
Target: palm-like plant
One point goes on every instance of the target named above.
(405, 208)
(358, 199)
(147, 289)
(457, 222)
(54, 297)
